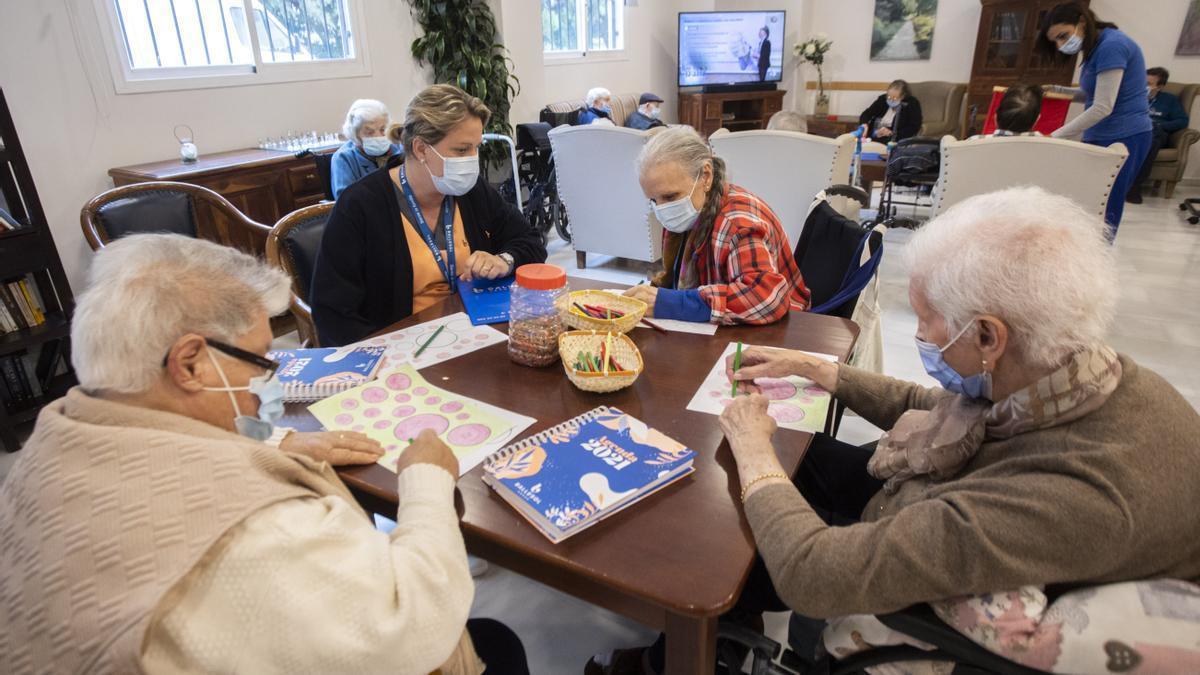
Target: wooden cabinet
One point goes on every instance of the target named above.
(1004, 53)
(736, 111)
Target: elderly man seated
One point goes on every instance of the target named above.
(647, 114)
(147, 527)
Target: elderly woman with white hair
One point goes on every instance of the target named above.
(147, 527)
(1044, 458)
(367, 147)
(599, 107)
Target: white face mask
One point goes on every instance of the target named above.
(653, 112)
(376, 145)
(459, 174)
(679, 215)
(1072, 45)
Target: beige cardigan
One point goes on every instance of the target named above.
(1113, 496)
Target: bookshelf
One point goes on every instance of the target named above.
(27, 252)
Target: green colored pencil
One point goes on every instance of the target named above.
(737, 363)
(430, 340)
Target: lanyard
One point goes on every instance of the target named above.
(427, 234)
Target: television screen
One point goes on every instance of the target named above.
(730, 47)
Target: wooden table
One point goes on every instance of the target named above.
(831, 126)
(675, 561)
(871, 170)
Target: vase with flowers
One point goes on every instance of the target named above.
(813, 51)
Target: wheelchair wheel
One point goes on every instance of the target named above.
(561, 224)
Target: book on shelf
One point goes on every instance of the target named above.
(22, 388)
(314, 374)
(572, 476)
(8, 221)
(10, 303)
(7, 325)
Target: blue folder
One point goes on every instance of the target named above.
(486, 300)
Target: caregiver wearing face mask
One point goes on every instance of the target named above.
(1112, 87)
(367, 147)
(1044, 457)
(398, 240)
(726, 258)
(894, 116)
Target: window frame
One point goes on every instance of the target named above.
(590, 55)
(127, 80)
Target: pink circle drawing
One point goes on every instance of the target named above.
(451, 407)
(785, 414)
(462, 416)
(432, 400)
(420, 391)
(357, 427)
(403, 411)
(457, 347)
(401, 398)
(443, 355)
(480, 337)
(777, 390)
(725, 402)
(813, 390)
(397, 381)
(349, 404)
(392, 446)
(382, 424)
(715, 394)
(414, 425)
(374, 395)
(372, 412)
(468, 434)
(343, 419)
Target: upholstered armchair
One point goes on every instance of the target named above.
(943, 107)
(1172, 158)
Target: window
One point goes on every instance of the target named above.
(581, 26)
(173, 44)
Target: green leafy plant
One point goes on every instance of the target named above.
(460, 43)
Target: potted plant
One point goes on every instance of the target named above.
(813, 51)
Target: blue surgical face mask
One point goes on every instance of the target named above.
(893, 103)
(606, 108)
(1072, 45)
(679, 215)
(269, 391)
(978, 385)
(376, 146)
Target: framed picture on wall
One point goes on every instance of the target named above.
(903, 30)
(1189, 36)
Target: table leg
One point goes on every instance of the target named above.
(581, 259)
(691, 644)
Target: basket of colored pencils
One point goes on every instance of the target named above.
(599, 362)
(601, 310)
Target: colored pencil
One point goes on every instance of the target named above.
(430, 340)
(606, 351)
(737, 363)
(653, 325)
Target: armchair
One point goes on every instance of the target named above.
(1172, 158)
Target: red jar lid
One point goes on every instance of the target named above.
(541, 277)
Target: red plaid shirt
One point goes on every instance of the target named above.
(747, 272)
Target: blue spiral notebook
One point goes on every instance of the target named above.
(486, 300)
(314, 374)
(572, 476)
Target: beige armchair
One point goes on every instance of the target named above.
(1172, 158)
(943, 107)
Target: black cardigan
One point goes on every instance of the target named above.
(362, 281)
(908, 117)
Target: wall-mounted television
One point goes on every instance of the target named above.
(722, 48)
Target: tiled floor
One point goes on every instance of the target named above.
(1158, 324)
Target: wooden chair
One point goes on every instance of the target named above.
(292, 246)
(161, 206)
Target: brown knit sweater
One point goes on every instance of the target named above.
(1113, 496)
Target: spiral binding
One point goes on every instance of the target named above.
(298, 391)
(505, 452)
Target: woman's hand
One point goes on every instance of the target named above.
(763, 362)
(647, 294)
(427, 448)
(484, 265)
(749, 428)
(883, 132)
(339, 448)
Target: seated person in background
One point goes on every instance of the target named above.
(646, 115)
(1042, 442)
(1167, 115)
(599, 107)
(726, 258)
(177, 540)
(398, 240)
(1019, 110)
(894, 116)
(787, 120)
(367, 147)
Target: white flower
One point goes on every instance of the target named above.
(821, 37)
(809, 49)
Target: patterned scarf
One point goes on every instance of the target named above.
(939, 442)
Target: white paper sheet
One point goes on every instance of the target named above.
(458, 338)
(696, 327)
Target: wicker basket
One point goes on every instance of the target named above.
(623, 351)
(633, 308)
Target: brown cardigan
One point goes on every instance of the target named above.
(1114, 496)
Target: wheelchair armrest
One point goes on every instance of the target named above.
(920, 622)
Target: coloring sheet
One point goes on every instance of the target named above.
(401, 404)
(457, 338)
(796, 402)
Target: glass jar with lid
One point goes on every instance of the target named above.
(533, 320)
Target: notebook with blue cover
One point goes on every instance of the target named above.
(572, 476)
(486, 300)
(314, 374)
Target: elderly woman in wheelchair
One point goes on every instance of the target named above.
(1045, 462)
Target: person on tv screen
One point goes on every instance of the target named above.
(764, 52)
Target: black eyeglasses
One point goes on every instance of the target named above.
(240, 354)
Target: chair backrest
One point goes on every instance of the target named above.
(623, 106)
(1055, 108)
(161, 206)
(786, 169)
(941, 106)
(292, 246)
(323, 161)
(1082, 172)
(1186, 93)
(827, 250)
(598, 184)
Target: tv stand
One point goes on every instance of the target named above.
(735, 88)
(733, 110)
